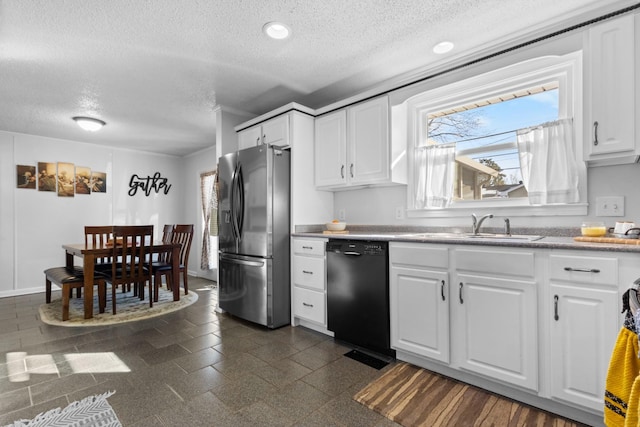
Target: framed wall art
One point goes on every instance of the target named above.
(83, 180)
(98, 182)
(26, 176)
(66, 175)
(46, 176)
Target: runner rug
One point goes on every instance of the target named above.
(412, 396)
(92, 411)
(129, 308)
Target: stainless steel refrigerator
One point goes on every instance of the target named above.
(253, 238)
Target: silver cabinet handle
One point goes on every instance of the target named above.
(264, 138)
(460, 293)
(555, 308)
(307, 272)
(342, 172)
(307, 247)
(582, 270)
(595, 133)
(307, 305)
(442, 290)
(351, 170)
(258, 141)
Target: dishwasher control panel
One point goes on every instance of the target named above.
(360, 247)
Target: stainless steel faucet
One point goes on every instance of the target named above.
(478, 222)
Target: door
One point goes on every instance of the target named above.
(243, 284)
(226, 173)
(499, 328)
(422, 325)
(276, 131)
(331, 149)
(254, 200)
(249, 137)
(584, 326)
(611, 88)
(369, 142)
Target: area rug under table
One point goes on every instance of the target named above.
(129, 308)
(92, 411)
(413, 396)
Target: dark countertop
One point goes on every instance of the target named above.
(553, 238)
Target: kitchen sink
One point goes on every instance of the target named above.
(480, 236)
(510, 237)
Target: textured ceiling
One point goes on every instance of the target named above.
(154, 70)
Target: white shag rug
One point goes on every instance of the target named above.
(92, 411)
(129, 308)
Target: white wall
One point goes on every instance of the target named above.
(34, 224)
(377, 205)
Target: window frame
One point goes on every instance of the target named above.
(566, 69)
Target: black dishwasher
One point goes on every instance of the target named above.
(358, 294)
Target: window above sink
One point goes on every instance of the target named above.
(482, 171)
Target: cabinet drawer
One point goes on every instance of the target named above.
(308, 272)
(308, 247)
(584, 269)
(496, 261)
(418, 254)
(309, 305)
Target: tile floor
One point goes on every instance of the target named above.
(193, 367)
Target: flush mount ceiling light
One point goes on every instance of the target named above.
(442, 47)
(89, 124)
(276, 30)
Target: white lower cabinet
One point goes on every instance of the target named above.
(308, 272)
(582, 308)
(538, 325)
(496, 333)
(419, 298)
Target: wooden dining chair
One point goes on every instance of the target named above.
(131, 260)
(69, 279)
(183, 234)
(99, 237)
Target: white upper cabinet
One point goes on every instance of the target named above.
(610, 92)
(368, 136)
(331, 149)
(353, 147)
(271, 132)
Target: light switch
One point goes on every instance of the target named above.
(610, 206)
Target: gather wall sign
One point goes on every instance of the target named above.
(148, 184)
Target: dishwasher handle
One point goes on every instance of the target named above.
(352, 253)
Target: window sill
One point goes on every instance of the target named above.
(464, 210)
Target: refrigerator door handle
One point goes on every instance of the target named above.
(241, 261)
(234, 194)
(240, 183)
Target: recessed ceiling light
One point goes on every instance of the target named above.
(89, 124)
(276, 30)
(442, 47)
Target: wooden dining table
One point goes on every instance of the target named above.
(89, 254)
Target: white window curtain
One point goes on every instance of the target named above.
(435, 173)
(548, 163)
(210, 215)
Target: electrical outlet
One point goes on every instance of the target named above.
(610, 206)
(342, 215)
(399, 212)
